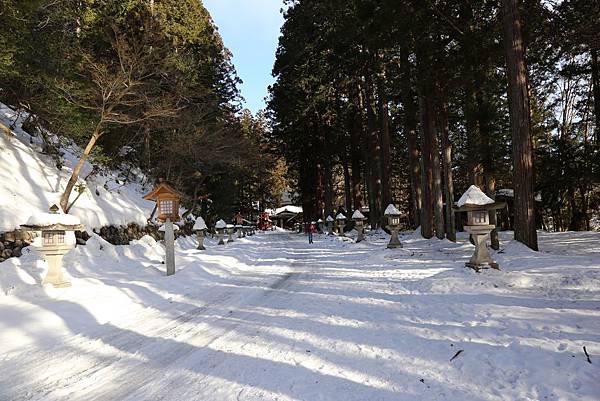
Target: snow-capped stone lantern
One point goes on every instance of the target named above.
(167, 201)
(221, 226)
(341, 223)
(55, 241)
(200, 229)
(478, 205)
(330, 221)
(392, 215)
(321, 225)
(230, 228)
(359, 219)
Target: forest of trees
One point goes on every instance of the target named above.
(149, 76)
(412, 101)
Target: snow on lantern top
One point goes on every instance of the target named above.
(329, 218)
(340, 217)
(221, 225)
(391, 210)
(167, 199)
(200, 224)
(474, 197)
(320, 221)
(55, 219)
(358, 215)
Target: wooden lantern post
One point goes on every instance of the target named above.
(167, 201)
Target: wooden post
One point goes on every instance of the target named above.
(169, 247)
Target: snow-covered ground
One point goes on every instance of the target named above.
(270, 318)
(30, 181)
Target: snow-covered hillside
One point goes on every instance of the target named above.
(30, 181)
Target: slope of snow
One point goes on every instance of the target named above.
(30, 182)
(272, 318)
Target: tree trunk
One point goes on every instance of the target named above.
(596, 91)
(490, 184)
(355, 131)
(522, 144)
(427, 135)
(347, 195)
(410, 128)
(375, 157)
(438, 201)
(64, 200)
(448, 179)
(386, 195)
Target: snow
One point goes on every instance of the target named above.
(50, 219)
(391, 210)
(510, 193)
(221, 224)
(30, 181)
(329, 218)
(200, 224)
(340, 217)
(271, 318)
(285, 209)
(358, 215)
(474, 196)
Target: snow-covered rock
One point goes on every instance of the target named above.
(391, 210)
(474, 196)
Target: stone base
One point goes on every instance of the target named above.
(58, 284)
(394, 246)
(479, 267)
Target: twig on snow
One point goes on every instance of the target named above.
(587, 355)
(460, 351)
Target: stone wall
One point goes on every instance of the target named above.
(12, 242)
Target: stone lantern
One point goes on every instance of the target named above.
(167, 201)
(341, 223)
(359, 219)
(238, 229)
(392, 215)
(321, 225)
(478, 206)
(55, 241)
(221, 226)
(230, 228)
(200, 229)
(330, 221)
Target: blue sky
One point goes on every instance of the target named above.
(250, 29)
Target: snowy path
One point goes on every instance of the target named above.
(337, 321)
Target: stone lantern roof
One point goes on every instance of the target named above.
(55, 219)
(221, 224)
(329, 218)
(358, 215)
(391, 210)
(340, 217)
(200, 224)
(475, 199)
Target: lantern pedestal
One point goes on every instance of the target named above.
(394, 240)
(230, 233)
(221, 233)
(360, 229)
(169, 247)
(200, 235)
(55, 274)
(341, 225)
(481, 257)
